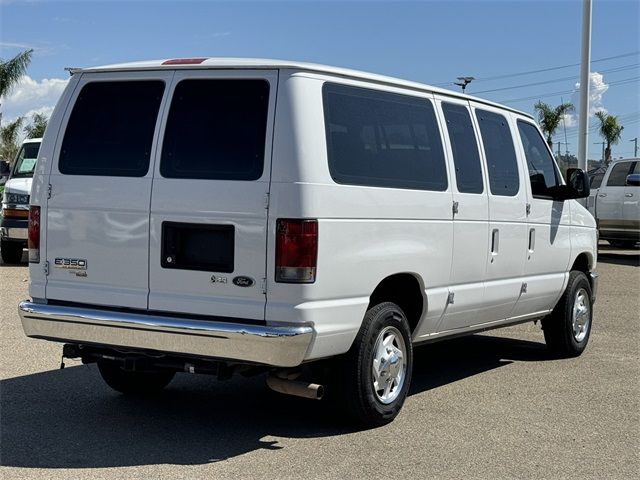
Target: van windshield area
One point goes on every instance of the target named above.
(26, 160)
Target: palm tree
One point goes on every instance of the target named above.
(610, 131)
(37, 126)
(549, 118)
(11, 71)
(9, 139)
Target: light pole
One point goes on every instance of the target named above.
(463, 82)
(583, 133)
(603, 144)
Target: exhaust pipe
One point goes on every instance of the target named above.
(293, 387)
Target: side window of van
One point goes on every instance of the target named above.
(216, 130)
(383, 139)
(542, 171)
(465, 148)
(618, 176)
(110, 131)
(500, 153)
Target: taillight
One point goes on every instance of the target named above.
(14, 213)
(33, 234)
(296, 251)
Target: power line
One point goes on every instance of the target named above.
(565, 92)
(545, 82)
(548, 69)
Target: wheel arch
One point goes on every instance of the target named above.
(406, 289)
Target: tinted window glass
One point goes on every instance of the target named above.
(542, 171)
(26, 160)
(596, 180)
(465, 148)
(636, 167)
(618, 176)
(216, 130)
(110, 131)
(382, 139)
(500, 153)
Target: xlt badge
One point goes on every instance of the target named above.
(71, 263)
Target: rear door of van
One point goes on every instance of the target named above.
(207, 251)
(98, 211)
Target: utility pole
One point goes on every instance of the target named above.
(635, 147)
(559, 145)
(585, 63)
(603, 144)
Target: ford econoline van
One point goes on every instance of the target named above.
(312, 223)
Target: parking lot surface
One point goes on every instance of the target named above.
(488, 406)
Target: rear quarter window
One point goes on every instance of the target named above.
(110, 130)
(382, 139)
(618, 176)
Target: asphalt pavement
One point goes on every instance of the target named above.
(490, 406)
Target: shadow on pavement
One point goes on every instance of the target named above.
(69, 419)
(618, 256)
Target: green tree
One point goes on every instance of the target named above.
(610, 131)
(11, 71)
(9, 139)
(38, 125)
(549, 118)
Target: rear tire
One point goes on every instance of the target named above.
(133, 382)
(376, 372)
(11, 252)
(568, 327)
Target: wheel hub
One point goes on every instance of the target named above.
(581, 317)
(389, 366)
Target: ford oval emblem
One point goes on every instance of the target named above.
(243, 281)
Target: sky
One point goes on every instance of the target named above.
(433, 42)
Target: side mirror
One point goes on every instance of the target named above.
(578, 186)
(633, 180)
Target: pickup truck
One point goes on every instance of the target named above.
(614, 202)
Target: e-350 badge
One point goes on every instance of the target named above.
(71, 263)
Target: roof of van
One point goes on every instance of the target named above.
(261, 63)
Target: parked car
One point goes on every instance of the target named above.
(185, 218)
(614, 201)
(15, 202)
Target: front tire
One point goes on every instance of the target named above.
(376, 372)
(11, 252)
(568, 327)
(133, 382)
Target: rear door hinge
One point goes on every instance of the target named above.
(49, 191)
(528, 209)
(450, 298)
(45, 267)
(455, 208)
(264, 285)
(266, 201)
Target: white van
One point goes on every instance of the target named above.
(15, 202)
(219, 215)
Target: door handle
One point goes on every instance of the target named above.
(602, 194)
(495, 241)
(532, 239)
(628, 194)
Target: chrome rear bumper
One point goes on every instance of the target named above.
(282, 346)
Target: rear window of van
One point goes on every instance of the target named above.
(382, 139)
(216, 130)
(110, 131)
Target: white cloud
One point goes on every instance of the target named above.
(31, 96)
(597, 89)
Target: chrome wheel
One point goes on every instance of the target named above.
(581, 317)
(389, 366)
